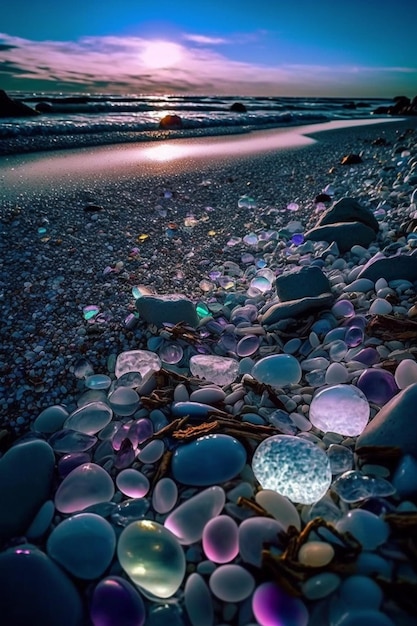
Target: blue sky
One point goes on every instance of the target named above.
(234, 47)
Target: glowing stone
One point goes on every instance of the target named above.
(115, 601)
(217, 369)
(86, 485)
(273, 607)
(142, 361)
(277, 370)
(152, 557)
(260, 283)
(220, 539)
(341, 409)
(294, 467)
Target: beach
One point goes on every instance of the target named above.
(84, 228)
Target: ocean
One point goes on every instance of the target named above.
(96, 116)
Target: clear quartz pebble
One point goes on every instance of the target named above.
(216, 369)
(124, 401)
(340, 457)
(86, 485)
(90, 418)
(342, 409)
(98, 381)
(142, 361)
(354, 486)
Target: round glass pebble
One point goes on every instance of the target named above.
(272, 606)
(343, 308)
(248, 345)
(342, 409)
(98, 381)
(171, 353)
(378, 385)
(115, 601)
(132, 483)
(124, 401)
(86, 485)
(90, 418)
(277, 370)
(216, 369)
(294, 467)
(220, 539)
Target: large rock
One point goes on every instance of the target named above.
(238, 107)
(401, 267)
(395, 424)
(172, 308)
(26, 473)
(344, 234)
(13, 108)
(170, 122)
(348, 210)
(295, 308)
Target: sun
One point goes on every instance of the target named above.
(160, 54)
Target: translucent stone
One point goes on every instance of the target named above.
(279, 507)
(320, 586)
(129, 511)
(90, 311)
(377, 385)
(361, 592)
(152, 452)
(406, 373)
(208, 395)
(70, 461)
(260, 283)
(368, 356)
(248, 345)
(132, 483)
(246, 202)
(380, 306)
(277, 370)
(86, 485)
(354, 486)
(254, 533)
(272, 606)
(336, 374)
(114, 602)
(337, 350)
(188, 520)
(68, 441)
(90, 418)
(198, 601)
(152, 557)
(369, 529)
(171, 353)
(124, 401)
(294, 467)
(341, 409)
(141, 361)
(317, 363)
(219, 370)
(50, 419)
(83, 369)
(340, 457)
(140, 430)
(220, 539)
(251, 239)
(165, 495)
(354, 336)
(231, 583)
(316, 553)
(130, 379)
(343, 308)
(83, 545)
(98, 381)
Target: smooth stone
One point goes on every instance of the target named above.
(90, 418)
(295, 308)
(86, 485)
(83, 545)
(378, 385)
(354, 486)
(165, 495)
(279, 507)
(50, 420)
(380, 306)
(371, 564)
(369, 529)
(124, 401)
(368, 356)
(406, 373)
(341, 409)
(41, 522)
(152, 558)
(348, 210)
(364, 617)
(294, 467)
(152, 452)
(132, 483)
(344, 234)
(220, 539)
(316, 553)
(254, 533)
(114, 602)
(26, 473)
(170, 308)
(277, 370)
(208, 460)
(193, 409)
(336, 374)
(320, 586)
(198, 601)
(405, 476)
(361, 285)
(142, 361)
(34, 590)
(208, 395)
(70, 461)
(272, 606)
(307, 281)
(71, 441)
(399, 267)
(340, 457)
(98, 381)
(188, 520)
(394, 424)
(216, 369)
(231, 583)
(361, 592)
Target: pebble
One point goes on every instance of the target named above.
(85, 486)
(272, 606)
(277, 370)
(116, 601)
(188, 520)
(231, 583)
(369, 529)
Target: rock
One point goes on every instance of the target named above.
(172, 308)
(344, 234)
(303, 282)
(394, 424)
(348, 210)
(170, 122)
(26, 473)
(238, 107)
(322, 197)
(189, 519)
(295, 308)
(44, 107)
(351, 159)
(399, 267)
(14, 108)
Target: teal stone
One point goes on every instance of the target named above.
(208, 460)
(36, 591)
(277, 370)
(26, 473)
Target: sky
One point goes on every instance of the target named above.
(354, 48)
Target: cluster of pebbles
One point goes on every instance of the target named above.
(234, 445)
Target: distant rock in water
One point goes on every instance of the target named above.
(44, 107)
(238, 107)
(13, 108)
(402, 106)
(171, 122)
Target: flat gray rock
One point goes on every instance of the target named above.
(303, 282)
(395, 424)
(295, 308)
(401, 267)
(344, 234)
(172, 308)
(348, 210)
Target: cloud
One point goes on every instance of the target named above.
(204, 40)
(120, 63)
